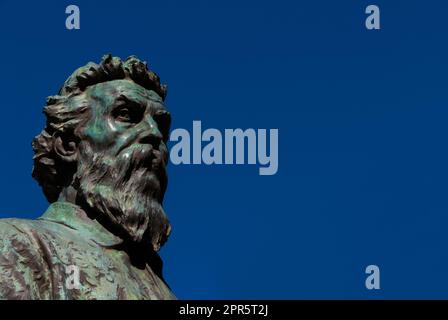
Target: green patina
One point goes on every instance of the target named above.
(116, 109)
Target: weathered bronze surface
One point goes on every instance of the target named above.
(101, 162)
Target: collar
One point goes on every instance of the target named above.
(74, 217)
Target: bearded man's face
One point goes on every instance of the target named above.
(122, 157)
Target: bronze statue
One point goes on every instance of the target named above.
(100, 161)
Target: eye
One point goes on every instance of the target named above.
(123, 115)
(127, 113)
(163, 120)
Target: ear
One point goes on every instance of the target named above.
(65, 147)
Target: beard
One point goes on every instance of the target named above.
(128, 190)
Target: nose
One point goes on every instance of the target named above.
(150, 133)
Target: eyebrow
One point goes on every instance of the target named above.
(153, 104)
(127, 99)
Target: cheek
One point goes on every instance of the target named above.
(103, 134)
(97, 131)
(108, 136)
(124, 137)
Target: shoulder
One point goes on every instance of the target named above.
(29, 250)
(16, 234)
(35, 232)
(40, 240)
(23, 271)
(28, 233)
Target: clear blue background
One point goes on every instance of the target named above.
(362, 127)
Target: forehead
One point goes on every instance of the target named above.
(108, 92)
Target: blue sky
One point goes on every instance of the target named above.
(361, 115)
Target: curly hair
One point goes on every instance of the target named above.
(65, 115)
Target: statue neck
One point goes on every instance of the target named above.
(68, 194)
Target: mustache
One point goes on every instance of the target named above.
(142, 156)
(139, 165)
(139, 162)
(129, 160)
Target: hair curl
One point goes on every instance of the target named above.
(64, 116)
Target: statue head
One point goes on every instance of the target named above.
(104, 147)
